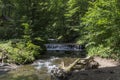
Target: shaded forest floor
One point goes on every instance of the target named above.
(108, 70)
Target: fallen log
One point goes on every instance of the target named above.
(63, 72)
(84, 63)
(69, 68)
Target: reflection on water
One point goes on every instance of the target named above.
(39, 70)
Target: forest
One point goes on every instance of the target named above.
(26, 25)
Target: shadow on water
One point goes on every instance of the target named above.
(3, 72)
(61, 54)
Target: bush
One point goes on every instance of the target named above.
(19, 51)
(104, 51)
(99, 51)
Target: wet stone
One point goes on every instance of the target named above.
(4, 67)
(59, 74)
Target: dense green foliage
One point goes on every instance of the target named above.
(101, 28)
(19, 51)
(92, 22)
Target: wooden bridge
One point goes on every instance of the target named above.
(64, 47)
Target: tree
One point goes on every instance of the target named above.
(74, 12)
(101, 27)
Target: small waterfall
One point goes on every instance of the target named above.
(64, 47)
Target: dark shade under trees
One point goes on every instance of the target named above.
(91, 22)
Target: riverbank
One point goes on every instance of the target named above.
(108, 70)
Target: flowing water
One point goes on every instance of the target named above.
(39, 70)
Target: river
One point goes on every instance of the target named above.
(39, 70)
